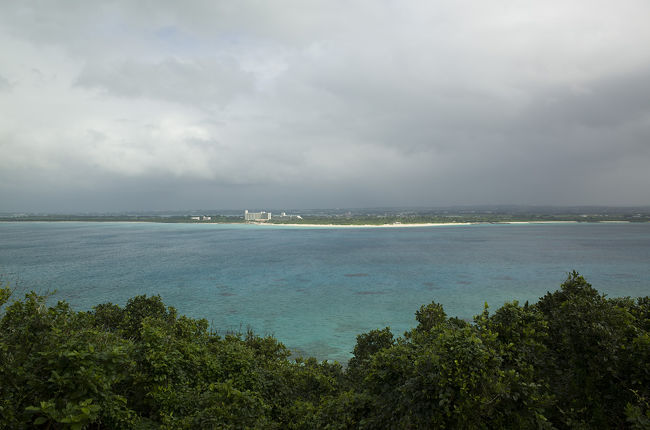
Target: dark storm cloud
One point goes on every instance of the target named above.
(323, 104)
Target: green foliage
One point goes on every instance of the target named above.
(430, 316)
(73, 416)
(5, 293)
(368, 344)
(108, 317)
(575, 359)
(449, 377)
(596, 353)
(638, 412)
(137, 309)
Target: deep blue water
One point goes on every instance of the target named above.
(315, 289)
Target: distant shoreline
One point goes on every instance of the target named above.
(433, 224)
(323, 225)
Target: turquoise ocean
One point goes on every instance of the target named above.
(315, 289)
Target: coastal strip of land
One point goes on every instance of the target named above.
(403, 225)
(323, 225)
(348, 219)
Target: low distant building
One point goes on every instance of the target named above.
(285, 216)
(257, 216)
(201, 218)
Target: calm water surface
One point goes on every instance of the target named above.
(317, 288)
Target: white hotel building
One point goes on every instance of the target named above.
(256, 216)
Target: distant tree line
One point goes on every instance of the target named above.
(453, 218)
(575, 359)
(176, 219)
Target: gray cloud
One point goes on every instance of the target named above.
(4, 84)
(323, 104)
(604, 103)
(196, 83)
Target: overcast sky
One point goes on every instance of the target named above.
(149, 105)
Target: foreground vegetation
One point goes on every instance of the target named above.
(575, 359)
